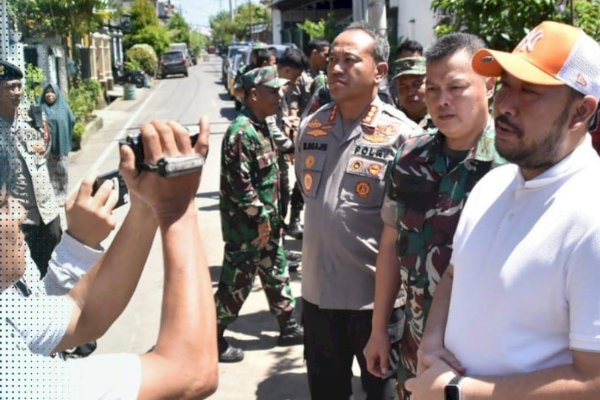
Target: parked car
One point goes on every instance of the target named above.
(212, 49)
(233, 49)
(171, 63)
(280, 49)
(193, 56)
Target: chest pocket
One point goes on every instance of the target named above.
(363, 183)
(414, 194)
(313, 163)
(267, 168)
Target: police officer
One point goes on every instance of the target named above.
(343, 153)
(250, 218)
(25, 133)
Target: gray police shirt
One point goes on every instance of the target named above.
(343, 179)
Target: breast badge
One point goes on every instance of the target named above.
(317, 129)
(363, 189)
(309, 162)
(357, 166)
(375, 169)
(308, 181)
(381, 134)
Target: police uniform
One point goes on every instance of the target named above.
(342, 176)
(22, 137)
(248, 198)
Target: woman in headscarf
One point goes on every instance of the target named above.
(61, 121)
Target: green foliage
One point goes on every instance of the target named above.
(78, 131)
(224, 30)
(83, 98)
(155, 36)
(143, 14)
(179, 30)
(314, 30)
(142, 56)
(50, 17)
(502, 24)
(198, 41)
(34, 76)
(146, 28)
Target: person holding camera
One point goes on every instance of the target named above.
(184, 361)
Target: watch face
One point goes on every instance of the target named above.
(453, 392)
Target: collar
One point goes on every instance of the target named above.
(484, 150)
(252, 118)
(581, 157)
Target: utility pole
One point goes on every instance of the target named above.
(4, 30)
(230, 10)
(377, 16)
(250, 13)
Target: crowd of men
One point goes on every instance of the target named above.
(451, 250)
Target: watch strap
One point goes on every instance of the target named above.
(456, 380)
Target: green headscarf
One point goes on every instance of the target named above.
(60, 120)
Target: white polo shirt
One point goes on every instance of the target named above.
(527, 269)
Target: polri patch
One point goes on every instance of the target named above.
(363, 189)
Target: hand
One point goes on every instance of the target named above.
(169, 198)
(430, 384)
(89, 217)
(376, 353)
(440, 352)
(264, 234)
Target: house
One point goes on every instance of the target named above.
(400, 19)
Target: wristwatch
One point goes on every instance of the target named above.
(452, 389)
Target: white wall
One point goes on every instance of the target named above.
(424, 20)
(276, 25)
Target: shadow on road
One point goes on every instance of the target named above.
(224, 96)
(283, 386)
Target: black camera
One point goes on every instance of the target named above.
(123, 191)
(167, 167)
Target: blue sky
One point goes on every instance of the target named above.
(197, 12)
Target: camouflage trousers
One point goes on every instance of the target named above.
(241, 263)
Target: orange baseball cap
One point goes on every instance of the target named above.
(551, 54)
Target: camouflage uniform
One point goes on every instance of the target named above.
(427, 192)
(249, 197)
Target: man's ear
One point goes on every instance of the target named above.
(490, 87)
(584, 111)
(382, 71)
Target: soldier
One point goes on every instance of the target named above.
(409, 79)
(342, 156)
(250, 218)
(431, 179)
(259, 57)
(27, 135)
(408, 48)
(300, 106)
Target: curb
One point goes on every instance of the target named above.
(90, 128)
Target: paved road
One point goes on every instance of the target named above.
(268, 372)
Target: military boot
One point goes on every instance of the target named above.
(295, 228)
(228, 353)
(290, 332)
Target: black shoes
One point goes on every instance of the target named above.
(295, 228)
(291, 333)
(228, 353)
(293, 259)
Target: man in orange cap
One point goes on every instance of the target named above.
(516, 314)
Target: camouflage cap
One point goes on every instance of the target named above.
(9, 72)
(408, 66)
(266, 76)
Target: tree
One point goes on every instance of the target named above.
(502, 24)
(57, 17)
(146, 28)
(322, 29)
(224, 30)
(179, 29)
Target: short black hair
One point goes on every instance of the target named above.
(294, 58)
(315, 44)
(7, 170)
(263, 56)
(381, 47)
(453, 43)
(411, 46)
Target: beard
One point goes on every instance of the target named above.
(542, 154)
